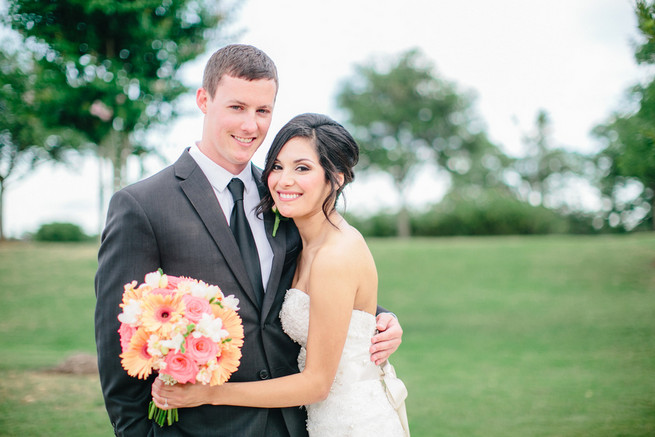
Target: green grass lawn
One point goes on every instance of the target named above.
(511, 336)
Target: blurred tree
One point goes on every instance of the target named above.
(111, 66)
(629, 154)
(24, 141)
(405, 116)
(546, 169)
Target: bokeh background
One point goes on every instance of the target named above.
(574, 61)
(509, 143)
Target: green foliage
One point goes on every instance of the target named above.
(59, 232)
(629, 139)
(379, 225)
(21, 130)
(109, 69)
(546, 169)
(475, 211)
(487, 213)
(20, 127)
(646, 22)
(406, 115)
(24, 136)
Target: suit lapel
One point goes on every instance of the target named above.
(278, 245)
(200, 193)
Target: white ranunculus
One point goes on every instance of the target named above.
(210, 327)
(231, 302)
(156, 280)
(131, 312)
(200, 289)
(174, 343)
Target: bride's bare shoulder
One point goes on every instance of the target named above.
(345, 248)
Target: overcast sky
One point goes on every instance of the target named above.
(573, 58)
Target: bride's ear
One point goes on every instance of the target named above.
(340, 179)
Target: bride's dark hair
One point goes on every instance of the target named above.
(336, 148)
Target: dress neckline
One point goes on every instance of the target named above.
(354, 310)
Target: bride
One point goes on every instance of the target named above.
(330, 310)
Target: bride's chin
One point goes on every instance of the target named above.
(285, 212)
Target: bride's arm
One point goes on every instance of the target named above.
(333, 284)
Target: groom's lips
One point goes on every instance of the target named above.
(244, 140)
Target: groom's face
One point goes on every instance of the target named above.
(236, 120)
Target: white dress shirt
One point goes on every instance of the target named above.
(219, 178)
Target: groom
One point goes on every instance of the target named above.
(178, 220)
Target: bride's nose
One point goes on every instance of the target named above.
(286, 178)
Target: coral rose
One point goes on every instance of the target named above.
(180, 367)
(195, 307)
(201, 349)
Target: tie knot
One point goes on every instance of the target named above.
(236, 188)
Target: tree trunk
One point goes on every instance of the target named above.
(2, 212)
(101, 196)
(118, 150)
(403, 225)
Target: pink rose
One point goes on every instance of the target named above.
(163, 292)
(195, 307)
(126, 332)
(173, 281)
(180, 367)
(201, 349)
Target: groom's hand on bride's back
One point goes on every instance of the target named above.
(389, 337)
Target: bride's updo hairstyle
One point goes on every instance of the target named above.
(336, 148)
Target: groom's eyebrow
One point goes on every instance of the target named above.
(242, 103)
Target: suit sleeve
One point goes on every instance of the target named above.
(128, 251)
(380, 310)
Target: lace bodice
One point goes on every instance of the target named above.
(357, 397)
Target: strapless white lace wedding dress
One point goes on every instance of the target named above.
(358, 404)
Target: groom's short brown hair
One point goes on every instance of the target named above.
(238, 60)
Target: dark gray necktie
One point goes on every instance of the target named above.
(245, 240)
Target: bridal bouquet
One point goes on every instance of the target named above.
(184, 329)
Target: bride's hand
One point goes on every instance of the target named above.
(179, 395)
(389, 338)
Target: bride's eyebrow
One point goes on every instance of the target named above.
(304, 160)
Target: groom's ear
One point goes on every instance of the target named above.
(201, 99)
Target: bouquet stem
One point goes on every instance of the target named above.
(162, 417)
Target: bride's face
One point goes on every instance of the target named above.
(297, 181)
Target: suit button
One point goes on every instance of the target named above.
(263, 374)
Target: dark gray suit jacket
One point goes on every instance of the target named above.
(173, 221)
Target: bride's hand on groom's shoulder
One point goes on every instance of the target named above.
(387, 340)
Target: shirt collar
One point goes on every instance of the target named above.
(219, 177)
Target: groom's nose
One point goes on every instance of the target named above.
(249, 122)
